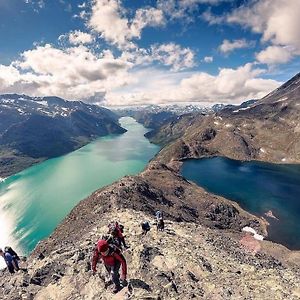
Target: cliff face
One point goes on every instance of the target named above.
(203, 254)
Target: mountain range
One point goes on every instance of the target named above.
(33, 129)
(203, 253)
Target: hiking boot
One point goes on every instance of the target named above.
(116, 289)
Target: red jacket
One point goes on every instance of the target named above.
(110, 260)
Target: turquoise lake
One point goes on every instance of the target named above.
(258, 187)
(34, 201)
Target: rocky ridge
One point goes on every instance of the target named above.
(203, 254)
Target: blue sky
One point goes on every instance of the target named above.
(115, 52)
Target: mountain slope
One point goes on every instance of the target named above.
(192, 259)
(33, 129)
(267, 130)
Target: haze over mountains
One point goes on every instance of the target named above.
(33, 129)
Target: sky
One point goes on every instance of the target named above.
(140, 52)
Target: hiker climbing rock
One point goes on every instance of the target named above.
(116, 230)
(11, 259)
(160, 224)
(145, 227)
(112, 260)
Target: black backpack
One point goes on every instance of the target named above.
(113, 242)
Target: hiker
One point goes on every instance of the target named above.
(145, 227)
(160, 224)
(11, 261)
(116, 231)
(11, 252)
(113, 260)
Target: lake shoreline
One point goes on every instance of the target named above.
(266, 215)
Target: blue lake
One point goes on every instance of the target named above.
(34, 201)
(258, 188)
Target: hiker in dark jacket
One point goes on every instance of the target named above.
(145, 227)
(11, 261)
(112, 260)
(160, 224)
(116, 231)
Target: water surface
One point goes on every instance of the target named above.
(258, 187)
(34, 201)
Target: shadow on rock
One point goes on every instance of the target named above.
(140, 284)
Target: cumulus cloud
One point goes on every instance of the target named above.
(171, 55)
(229, 46)
(71, 73)
(108, 18)
(78, 37)
(274, 55)
(277, 20)
(228, 86)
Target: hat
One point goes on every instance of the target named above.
(102, 245)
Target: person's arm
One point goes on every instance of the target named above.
(95, 260)
(122, 260)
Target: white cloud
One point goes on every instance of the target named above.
(77, 73)
(78, 37)
(171, 55)
(277, 20)
(208, 59)
(274, 55)
(108, 18)
(157, 87)
(71, 73)
(229, 46)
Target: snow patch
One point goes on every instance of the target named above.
(228, 125)
(21, 111)
(243, 108)
(255, 234)
(262, 150)
(282, 99)
(217, 123)
(43, 102)
(7, 100)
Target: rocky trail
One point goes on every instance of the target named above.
(186, 261)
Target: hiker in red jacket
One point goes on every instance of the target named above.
(113, 260)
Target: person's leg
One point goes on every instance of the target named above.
(10, 268)
(16, 264)
(116, 276)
